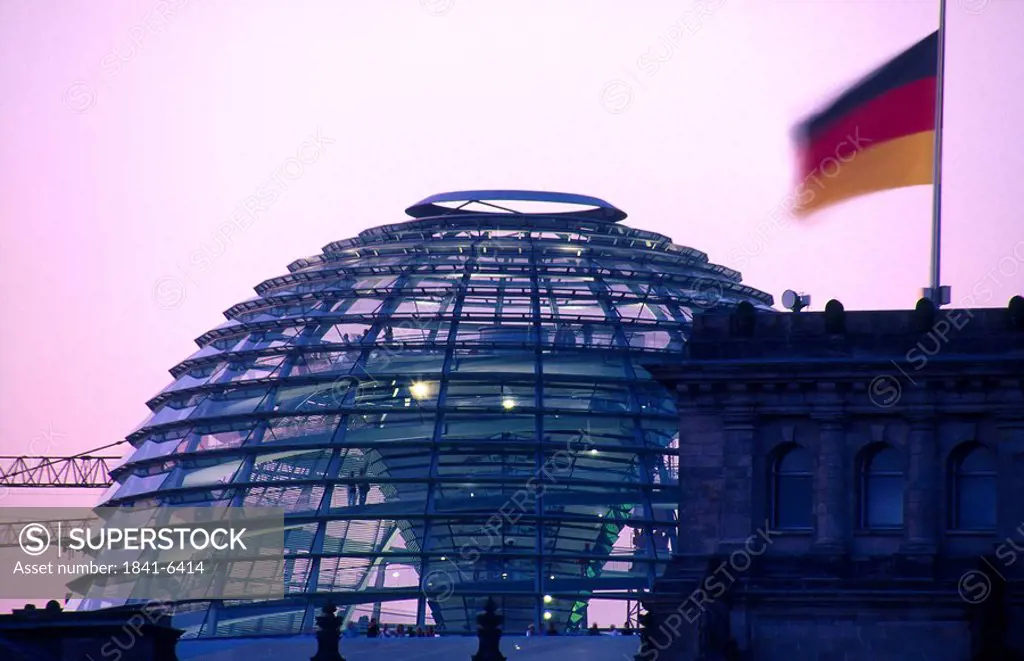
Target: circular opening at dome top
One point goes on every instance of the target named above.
(512, 202)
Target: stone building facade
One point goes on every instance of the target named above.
(129, 633)
(852, 487)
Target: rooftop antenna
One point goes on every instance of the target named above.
(795, 302)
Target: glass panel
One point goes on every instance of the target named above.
(198, 376)
(404, 361)
(654, 398)
(292, 499)
(508, 396)
(324, 362)
(504, 333)
(488, 425)
(887, 460)
(232, 402)
(795, 497)
(796, 460)
(415, 331)
(572, 363)
(219, 474)
(370, 429)
(151, 449)
(645, 311)
(653, 339)
(381, 282)
(176, 409)
(269, 339)
(302, 429)
(500, 361)
(358, 306)
(135, 485)
(587, 397)
(978, 460)
(252, 368)
(885, 502)
(571, 309)
(314, 396)
(976, 503)
(351, 333)
(292, 465)
(223, 440)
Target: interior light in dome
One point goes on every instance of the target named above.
(420, 390)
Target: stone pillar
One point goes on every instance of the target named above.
(738, 473)
(831, 486)
(1010, 477)
(700, 482)
(920, 510)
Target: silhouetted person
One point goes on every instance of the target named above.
(584, 562)
(364, 492)
(373, 631)
(430, 631)
(351, 631)
(492, 568)
(420, 633)
(593, 630)
(626, 629)
(353, 494)
(564, 336)
(614, 632)
(530, 630)
(552, 631)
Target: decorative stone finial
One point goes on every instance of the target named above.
(644, 622)
(835, 317)
(488, 630)
(924, 315)
(1015, 309)
(328, 634)
(744, 319)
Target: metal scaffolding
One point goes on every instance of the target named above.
(79, 472)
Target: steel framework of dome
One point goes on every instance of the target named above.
(447, 408)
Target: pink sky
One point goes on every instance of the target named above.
(129, 141)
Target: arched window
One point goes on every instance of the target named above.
(792, 485)
(881, 487)
(974, 489)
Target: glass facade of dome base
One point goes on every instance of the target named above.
(447, 408)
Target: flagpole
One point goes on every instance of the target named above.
(936, 293)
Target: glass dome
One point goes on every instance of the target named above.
(448, 408)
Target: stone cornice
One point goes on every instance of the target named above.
(1009, 373)
(855, 397)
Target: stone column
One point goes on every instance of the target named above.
(1010, 477)
(738, 473)
(920, 510)
(831, 488)
(700, 482)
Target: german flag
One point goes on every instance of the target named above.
(879, 134)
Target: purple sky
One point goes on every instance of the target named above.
(129, 142)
